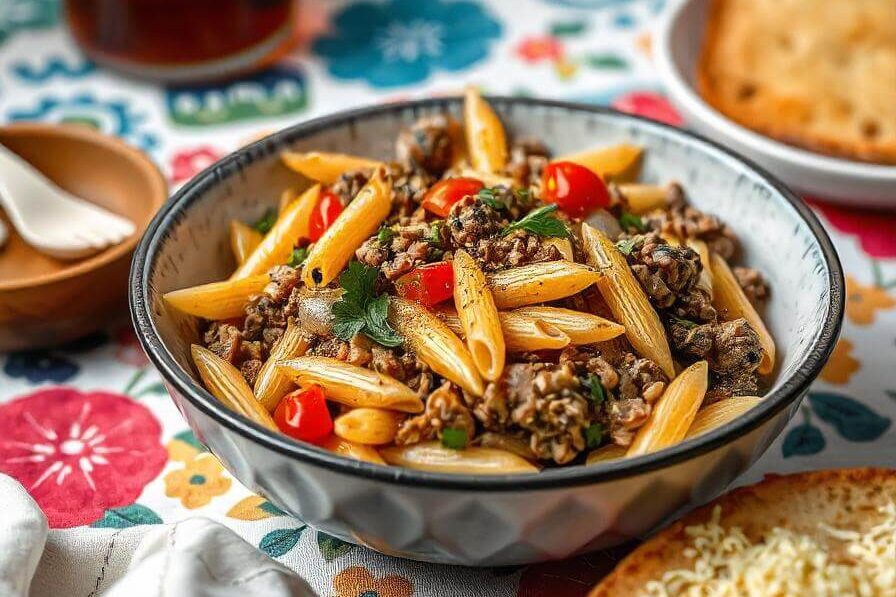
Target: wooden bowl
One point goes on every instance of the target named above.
(46, 301)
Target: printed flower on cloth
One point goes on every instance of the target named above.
(402, 41)
(359, 582)
(78, 453)
(198, 482)
(876, 230)
(842, 365)
(863, 302)
(538, 48)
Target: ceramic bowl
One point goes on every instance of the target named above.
(500, 520)
(679, 39)
(46, 301)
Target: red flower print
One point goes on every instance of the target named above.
(128, 350)
(79, 454)
(189, 162)
(650, 105)
(876, 230)
(537, 49)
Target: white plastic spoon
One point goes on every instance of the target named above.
(52, 220)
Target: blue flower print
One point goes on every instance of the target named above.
(16, 15)
(38, 366)
(399, 42)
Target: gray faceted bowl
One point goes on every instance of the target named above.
(494, 520)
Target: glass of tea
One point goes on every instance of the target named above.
(183, 41)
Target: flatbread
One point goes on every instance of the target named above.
(820, 74)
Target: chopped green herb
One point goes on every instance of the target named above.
(629, 221)
(598, 394)
(360, 310)
(523, 194)
(487, 196)
(298, 257)
(685, 323)
(385, 235)
(594, 435)
(266, 222)
(435, 234)
(627, 246)
(454, 438)
(540, 222)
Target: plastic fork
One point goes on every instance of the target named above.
(52, 220)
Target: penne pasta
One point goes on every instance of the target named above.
(343, 447)
(627, 300)
(508, 443)
(286, 197)
(564, 246)
(617, 162)
(243, 240)
(369, 426)
(227, 384)
(478, 317)
(643, 198)
(539, 283)
(486, 142)
(731, 302)
(521, 333)
(278, 243)
(487, 178)
(361, 218)
(271, 384)
(432, 456)
(605, 453)
(705, 281)
(435, 344)
(719, 413)
(674, 412)
(217, 300)
(581, 328)
(323, 167)
(352, 385)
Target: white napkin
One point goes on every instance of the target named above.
(196, 557)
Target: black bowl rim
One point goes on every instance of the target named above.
(790, 390)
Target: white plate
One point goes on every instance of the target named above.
(678, 43)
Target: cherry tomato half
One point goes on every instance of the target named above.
(324, 214)
(303, 415)
(574, 188)
(445, 193)
(428, 284)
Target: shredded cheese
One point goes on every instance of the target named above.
(784, 564)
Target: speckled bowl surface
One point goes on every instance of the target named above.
(496, 520)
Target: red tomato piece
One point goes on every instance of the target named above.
(428, 284)
(303, 414)
(574, 188)
(445, 193)
(324, 214)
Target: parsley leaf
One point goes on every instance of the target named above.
(487, 196)
(435, 234)
(385, 235)
(632, 221)
(594, 434)
(540, 222)
(360, 310)
(685, 323)
(267, 221)
(298, 257)
(627, 246)
(454, 438)
(598, 394)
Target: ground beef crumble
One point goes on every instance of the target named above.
(445, 409)
(528, 158)
(404, 248)
(684, 221)
(752, 283)
(429, 144)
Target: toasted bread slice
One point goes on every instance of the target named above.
(849, 499)
(817, 74)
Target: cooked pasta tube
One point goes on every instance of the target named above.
(643, 198)
(324, 167)
(352, 385)
(478, 316)
(487, 178)
(705, 280)
(286, 197)
(508, 443)
(278, 243)
(581, 328)
(563, 246)
(627, 300)
(229, 386)
(243, 240)
(486, 142)
(539, 283)
(605, 453)
(521, 333)
(720, 413)
(217, 300)
(435, 344)
(343, 447)
(271, 384)
(617, 162)
(369, 426)
(674, 412)
(357, 222)
(731, 302)
(432, 456)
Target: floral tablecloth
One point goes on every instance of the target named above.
(88, 428)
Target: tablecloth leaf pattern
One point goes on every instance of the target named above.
(131, 459)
